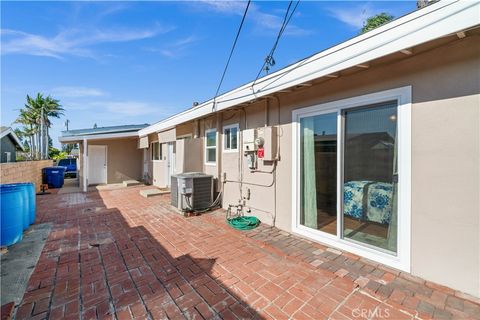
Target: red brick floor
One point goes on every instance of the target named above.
(114, 254)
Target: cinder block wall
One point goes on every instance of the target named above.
(25, 171)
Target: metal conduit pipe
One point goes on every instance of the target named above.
(254, 183)
(277, 158)
(266, 112)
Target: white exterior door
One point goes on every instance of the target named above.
(170, 162)
(97, 164)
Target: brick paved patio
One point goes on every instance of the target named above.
(115, 254)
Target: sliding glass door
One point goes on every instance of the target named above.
(370, 175)
(348, 174)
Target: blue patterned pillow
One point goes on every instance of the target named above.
(353, 198)
(380, 202)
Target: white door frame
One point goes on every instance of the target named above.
(170, 168)
(403, 95)
(105, 166)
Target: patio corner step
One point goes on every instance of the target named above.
(131, 183)
(147, 193)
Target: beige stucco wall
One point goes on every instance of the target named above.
(124, 159)
(445, 160)
(445, 156)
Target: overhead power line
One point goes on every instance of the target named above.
(231, 53)
(269, 60)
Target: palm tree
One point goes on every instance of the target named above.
(27, 117)
(36, 117)
(51, 109)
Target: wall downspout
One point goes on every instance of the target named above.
(219, 150)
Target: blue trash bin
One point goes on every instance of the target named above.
(28, 190)
(54, 176)
(12, 213)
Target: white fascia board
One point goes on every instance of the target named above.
(437, 20)
(98, 136)
(6, 132)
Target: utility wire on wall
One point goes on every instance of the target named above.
(269, 60)
(230, 56)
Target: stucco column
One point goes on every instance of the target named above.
(85, 165)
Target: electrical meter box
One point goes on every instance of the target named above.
(249, 137)
(270, 143)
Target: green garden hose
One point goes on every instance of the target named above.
(243, 222)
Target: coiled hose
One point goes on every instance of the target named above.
(243, 222)
(239, 221)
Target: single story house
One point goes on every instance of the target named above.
(351, 147)
(107, 154)
(10, 144)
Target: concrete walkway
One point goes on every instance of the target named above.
(20, 260)
(114, 254)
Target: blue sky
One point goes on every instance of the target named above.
(114, 63)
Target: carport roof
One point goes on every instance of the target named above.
(102, 132)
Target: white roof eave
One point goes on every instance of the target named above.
(98, 136)
(436, 21)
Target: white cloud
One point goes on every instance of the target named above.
(230, 7)
(354, 15)
(129, 108)
(117, 108)
(176, 48)
(76, 92)
(273, 22)
(75, 42)
(266, 21)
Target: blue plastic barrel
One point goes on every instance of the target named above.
(32, 203)
(28, 190)
(11, 228)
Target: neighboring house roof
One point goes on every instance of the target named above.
(7, 131)
(102, 132)
(421, 26)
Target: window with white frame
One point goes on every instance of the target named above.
(230, 137)
(156, 148)
(210, 146)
